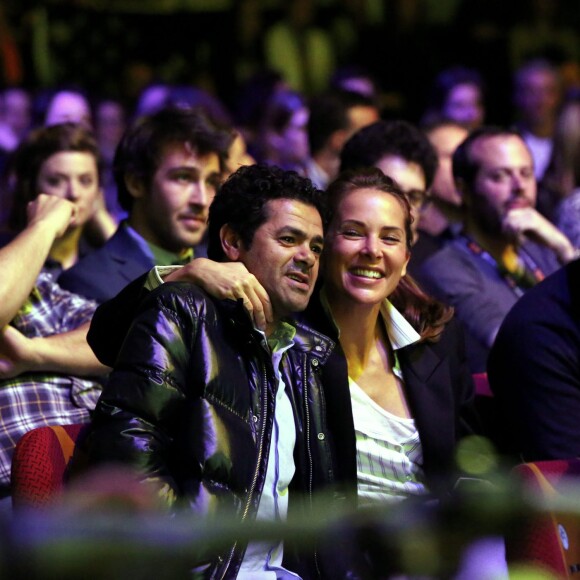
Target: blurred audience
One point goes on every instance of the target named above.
(354, 79)
(237, 156)
(334, 117)
(562, 176)
(282, 137)
(536, 98)
(441, 218)
(68, 106)
(15, 115)
(457, 95)
(506, 245)
(110, 124)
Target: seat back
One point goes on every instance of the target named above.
(552, 539)
(39, 464)
(489, 412)
(481, 384)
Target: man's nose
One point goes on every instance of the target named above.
(518, 183)
(306, 255)
(200, 194)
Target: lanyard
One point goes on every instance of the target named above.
(528, 273)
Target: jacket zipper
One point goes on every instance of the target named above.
(258, 463)
(309, 450)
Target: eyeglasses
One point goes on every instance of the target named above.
(417, 198)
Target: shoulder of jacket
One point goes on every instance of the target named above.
(310, 341)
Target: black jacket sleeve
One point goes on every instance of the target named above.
(112, 321)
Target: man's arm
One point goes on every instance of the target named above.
(532, 224)
(67, 353)
(228, 280)
(139, 414)
(22, 259)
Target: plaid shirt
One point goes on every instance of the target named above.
(37, 399)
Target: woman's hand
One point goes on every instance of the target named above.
(52, 211)
(228, 280)
(102, 224)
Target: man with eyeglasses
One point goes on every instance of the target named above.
(401, 151)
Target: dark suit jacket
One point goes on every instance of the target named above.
(534, 369)
(103, 273)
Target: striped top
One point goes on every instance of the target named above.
(388, 452)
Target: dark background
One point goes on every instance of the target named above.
(114, 48)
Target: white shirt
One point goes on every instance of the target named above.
(263, 560)
(388, 448)
(388, 452)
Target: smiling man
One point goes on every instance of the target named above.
(166, 168)
(506, 245)
(204, 405)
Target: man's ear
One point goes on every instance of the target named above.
(231, 243)
(134, 185)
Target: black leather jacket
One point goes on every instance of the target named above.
(191, 404)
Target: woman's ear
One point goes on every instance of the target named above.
(231, 243)
(404, 268)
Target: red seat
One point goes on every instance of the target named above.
(552, 539)
(39, 464)
(481, 384)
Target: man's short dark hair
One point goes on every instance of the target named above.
(329, 113)
(464, 166)
(139, 152)
(397, 138)
(241, 202)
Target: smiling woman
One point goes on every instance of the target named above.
(399, 393)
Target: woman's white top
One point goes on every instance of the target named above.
(388, 448)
